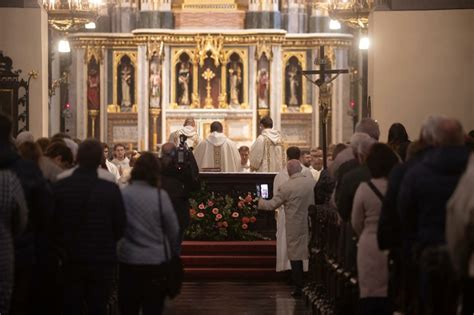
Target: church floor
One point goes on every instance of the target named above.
(235, 298)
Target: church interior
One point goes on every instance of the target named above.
(130, 72)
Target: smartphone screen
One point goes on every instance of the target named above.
(264, 191)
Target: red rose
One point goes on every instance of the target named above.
(253, 219)
(245, 220)
(225, 224)
(192, 211)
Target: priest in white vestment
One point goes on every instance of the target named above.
(266, 153)
(217, 151)
(188, 130)
(283, 263)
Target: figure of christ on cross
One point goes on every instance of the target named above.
(324, 93)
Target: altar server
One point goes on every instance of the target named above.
(266, 153)
(188, 130)
(217, 151)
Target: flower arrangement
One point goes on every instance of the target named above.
(220, 218)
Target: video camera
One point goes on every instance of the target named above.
(182, 152)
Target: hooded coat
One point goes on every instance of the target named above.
(267, 153)
(217, 152)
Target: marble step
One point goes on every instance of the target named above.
(233, 274)
(229, 261)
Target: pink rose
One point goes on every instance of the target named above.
(218, 217)
(202, 206)
(248, 198)
(225, 224)
(241, 204)
(210, 203)
(200, 215)
(215, 211)
(245, 226)
(235, 214)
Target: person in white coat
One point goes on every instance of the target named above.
(282, 262)
(217, 151)
(267, 153)
(297, 195)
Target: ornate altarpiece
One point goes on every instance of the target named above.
(234, 77)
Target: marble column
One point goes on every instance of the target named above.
(55, 100)
(166, 88)
(252, 96)
(78, 100)
(142, 98)
(103, 97)
(341, 121)
(316, 130)
(276, 86)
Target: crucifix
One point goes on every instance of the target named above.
(324, 93)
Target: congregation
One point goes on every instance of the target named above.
(66, 205)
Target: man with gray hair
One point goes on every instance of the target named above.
(367, 126)
(297, 195)
(345, 191)
(424, 193)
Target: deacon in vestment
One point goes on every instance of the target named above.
(217, 151)
(266, 153)
(188, 130)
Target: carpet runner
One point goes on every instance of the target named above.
(230, 261)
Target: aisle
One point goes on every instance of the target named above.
(236, 298)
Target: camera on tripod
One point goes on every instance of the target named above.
(181, 152)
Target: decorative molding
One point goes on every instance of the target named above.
(108, 40)
(93, 51)
(263, 48)
(155, 48)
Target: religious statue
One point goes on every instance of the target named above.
(155, 84)
(294, 84)
(262, 82)
(183, 81)
(235, 79)
(93, 92)
(126, 85)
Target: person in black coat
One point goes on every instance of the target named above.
(424, 193)
(89, 220)
(30, 246)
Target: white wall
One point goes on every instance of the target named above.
(24, 38)
(421, 63)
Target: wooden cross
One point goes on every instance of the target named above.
(324, 92)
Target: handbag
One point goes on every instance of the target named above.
(173, 270)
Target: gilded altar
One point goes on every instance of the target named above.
(156, 78)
